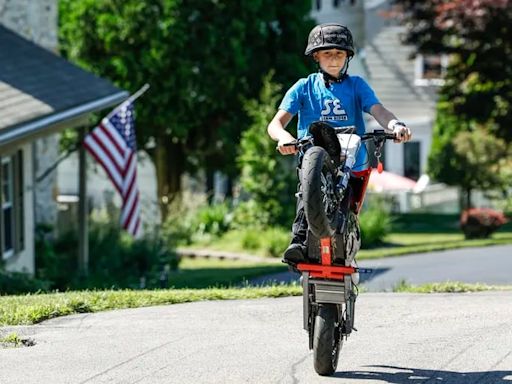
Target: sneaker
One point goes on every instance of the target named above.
(295, 254)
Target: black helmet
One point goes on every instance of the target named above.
(330, 35)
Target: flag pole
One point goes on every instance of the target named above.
(130, 99)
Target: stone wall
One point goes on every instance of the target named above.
(37, 20)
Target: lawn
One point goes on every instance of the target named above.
(411, 234)
(205, 273)
(31, 309)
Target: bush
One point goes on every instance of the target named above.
(481, 222)
(14, 283)
(185, 227)
(115, 259)
(277, 241)
(375, 222)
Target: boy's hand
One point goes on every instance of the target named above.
(402, 133)
(287, 146)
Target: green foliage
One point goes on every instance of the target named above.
(13, 283)
(478, 34)
(375, 222)
(267, 178)
(478, 89)
(12, 339)
(198, 224)
(116, 260)
(426, 223)
(214, 219)
(484, 157)
(202, 58)
(272, 241)
(467, 154)
(448, 287)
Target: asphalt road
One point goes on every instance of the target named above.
(489, 265)
(402, 338)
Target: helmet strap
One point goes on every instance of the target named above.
(328, 78)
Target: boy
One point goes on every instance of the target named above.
(333, 96)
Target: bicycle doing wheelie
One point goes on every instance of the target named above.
(333, 195)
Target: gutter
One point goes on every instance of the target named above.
(65, 119)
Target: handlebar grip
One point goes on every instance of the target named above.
(291, 144)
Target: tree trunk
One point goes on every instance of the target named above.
(169, 162)
(468, 198)
(210, 184)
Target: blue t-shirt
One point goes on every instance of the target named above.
(340, 105)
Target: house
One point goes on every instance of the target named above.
(406, 85)
(41, 94)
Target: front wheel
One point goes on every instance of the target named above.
(318, 187)
(327, 340)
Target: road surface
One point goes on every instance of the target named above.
(402, 338)
(489, 265)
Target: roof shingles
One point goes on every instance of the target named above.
(35, 83)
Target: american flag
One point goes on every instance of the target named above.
(113, 145)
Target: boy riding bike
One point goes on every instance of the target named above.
(331, 96)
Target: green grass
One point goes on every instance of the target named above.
(265, 243)
(31, 309)
(396, 244)
(412, 233)
(11, 340)
(205, 273)
(449, 287)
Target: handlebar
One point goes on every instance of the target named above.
(378, 135)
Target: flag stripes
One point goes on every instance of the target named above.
(112, 144)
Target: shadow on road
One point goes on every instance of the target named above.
(412, 375)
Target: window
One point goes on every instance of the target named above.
(412, 160)
(430, 69)
(11, 197)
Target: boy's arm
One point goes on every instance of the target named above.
(388, 121)
(276, 130)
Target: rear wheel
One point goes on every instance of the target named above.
(318, 188)
(327, 340)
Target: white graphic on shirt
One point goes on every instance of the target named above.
(333, 110)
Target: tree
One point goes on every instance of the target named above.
(267, 177)
(478, 35)
(478, 159)
(202, 59)
(478, 89)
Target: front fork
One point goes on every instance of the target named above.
(327, 284)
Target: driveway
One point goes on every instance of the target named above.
(402, 338)
(489, 265)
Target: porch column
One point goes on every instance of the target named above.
(83, 243)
